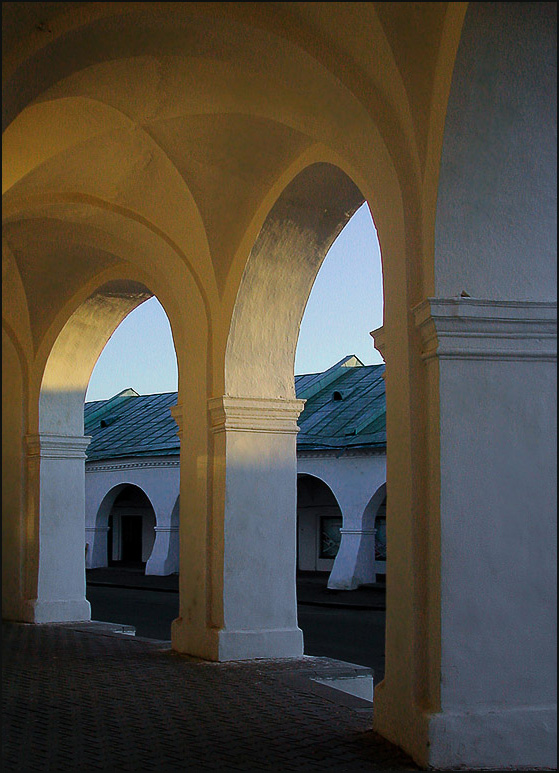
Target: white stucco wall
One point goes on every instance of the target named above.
(496, 239)
(353, 480)
(159, 479)
(496, 228)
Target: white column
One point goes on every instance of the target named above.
(164, 558)
(96, 542)
(253, 530)
(55, 586)
(492, 367)
(355, 561)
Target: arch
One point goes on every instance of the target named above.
(175, 513)
(278, 277)
(376, 510)
(370, 512)
(131, 543)
(56, 450)
(106, 505)
(76, 351)
(82, 135)
(97, 534)
(13, 421)
(319, 520)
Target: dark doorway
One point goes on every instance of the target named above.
(131, 546)
(131, 533)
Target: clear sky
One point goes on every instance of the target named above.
(345, 304)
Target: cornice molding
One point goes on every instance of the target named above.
(339, 453)
(474, 329)
(336, 453)
(253, 414)
(49, 446)
(115, 466)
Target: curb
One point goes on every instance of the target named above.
(129, 587)
(329, 604)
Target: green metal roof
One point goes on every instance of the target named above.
(345, 408)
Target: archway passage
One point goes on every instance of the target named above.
(131, 532)
(160, 136)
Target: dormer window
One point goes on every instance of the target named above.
(337, 396)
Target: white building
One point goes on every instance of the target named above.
(133, 477)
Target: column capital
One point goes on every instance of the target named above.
(476, 329)
(49, 446)
(254, 414)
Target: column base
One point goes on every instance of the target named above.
(223, 645)
(353, 566)
(66, 611)
(273, 643)
(523, 738)
(519, 738)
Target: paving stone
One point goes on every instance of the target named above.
(84, 700)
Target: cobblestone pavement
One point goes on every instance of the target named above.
(79, 699)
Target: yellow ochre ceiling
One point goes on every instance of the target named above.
(187, 114)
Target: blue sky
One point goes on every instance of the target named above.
(345, 304)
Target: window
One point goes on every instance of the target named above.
(330, 535)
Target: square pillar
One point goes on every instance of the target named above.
(490, 584)
(55, 530)
(250, 561)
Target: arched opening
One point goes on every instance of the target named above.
(284, 262)
(131, 529)
(58, 452)
(381, 542)
(134, 443)
(319, 520)
(374, 519)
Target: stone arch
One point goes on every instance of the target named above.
(319, 518)
(278, 278)
(370, 512)
(375, 510)
(56, 451)
(96, 534)
(175, 512)
(293, 240)
(143, 534)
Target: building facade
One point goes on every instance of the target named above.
(132, 480)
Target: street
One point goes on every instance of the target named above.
(352, 635)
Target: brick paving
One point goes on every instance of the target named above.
(81, 699)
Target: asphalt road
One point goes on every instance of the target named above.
(352, 635)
